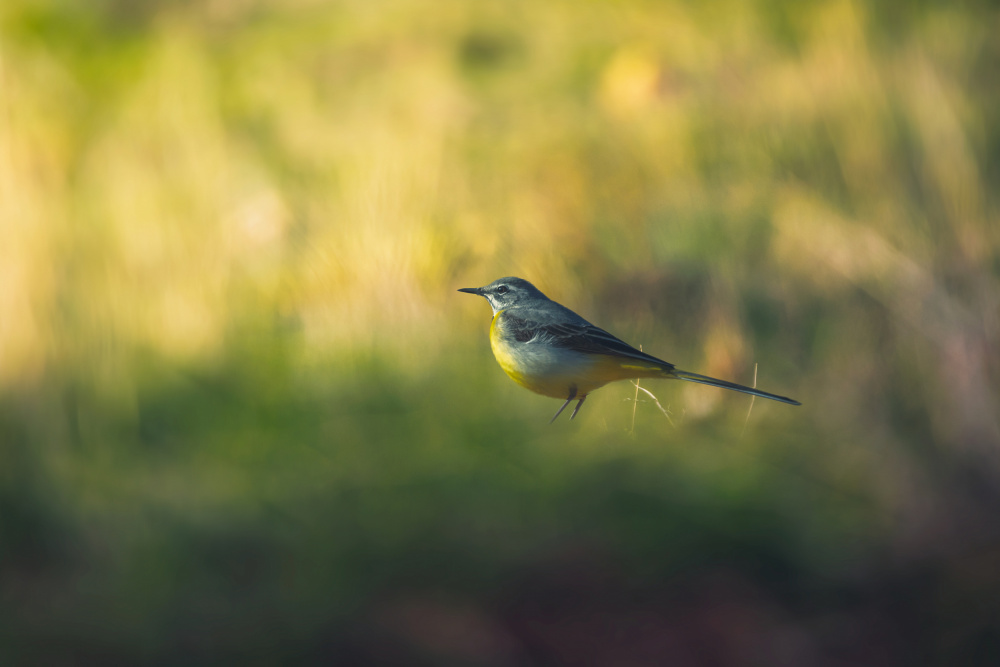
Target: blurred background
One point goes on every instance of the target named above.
(245, 416)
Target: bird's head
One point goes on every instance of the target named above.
(505, 293)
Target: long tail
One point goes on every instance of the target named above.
(704, 379)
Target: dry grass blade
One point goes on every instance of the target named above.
(655, 400)
(752, 398)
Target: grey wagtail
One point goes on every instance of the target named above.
(547, 348)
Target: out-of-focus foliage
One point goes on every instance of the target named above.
(244, 414)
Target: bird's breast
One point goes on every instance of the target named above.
(540, 366)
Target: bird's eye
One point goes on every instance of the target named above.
(502, 289)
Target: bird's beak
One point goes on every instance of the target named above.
(472, 290)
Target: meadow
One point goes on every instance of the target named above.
(246, 417)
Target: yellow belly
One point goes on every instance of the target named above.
(558, 372)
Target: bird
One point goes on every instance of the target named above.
(547, 348)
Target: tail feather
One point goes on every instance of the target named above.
(704, 379)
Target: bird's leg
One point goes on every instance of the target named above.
(572, 395)
(578, 407)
